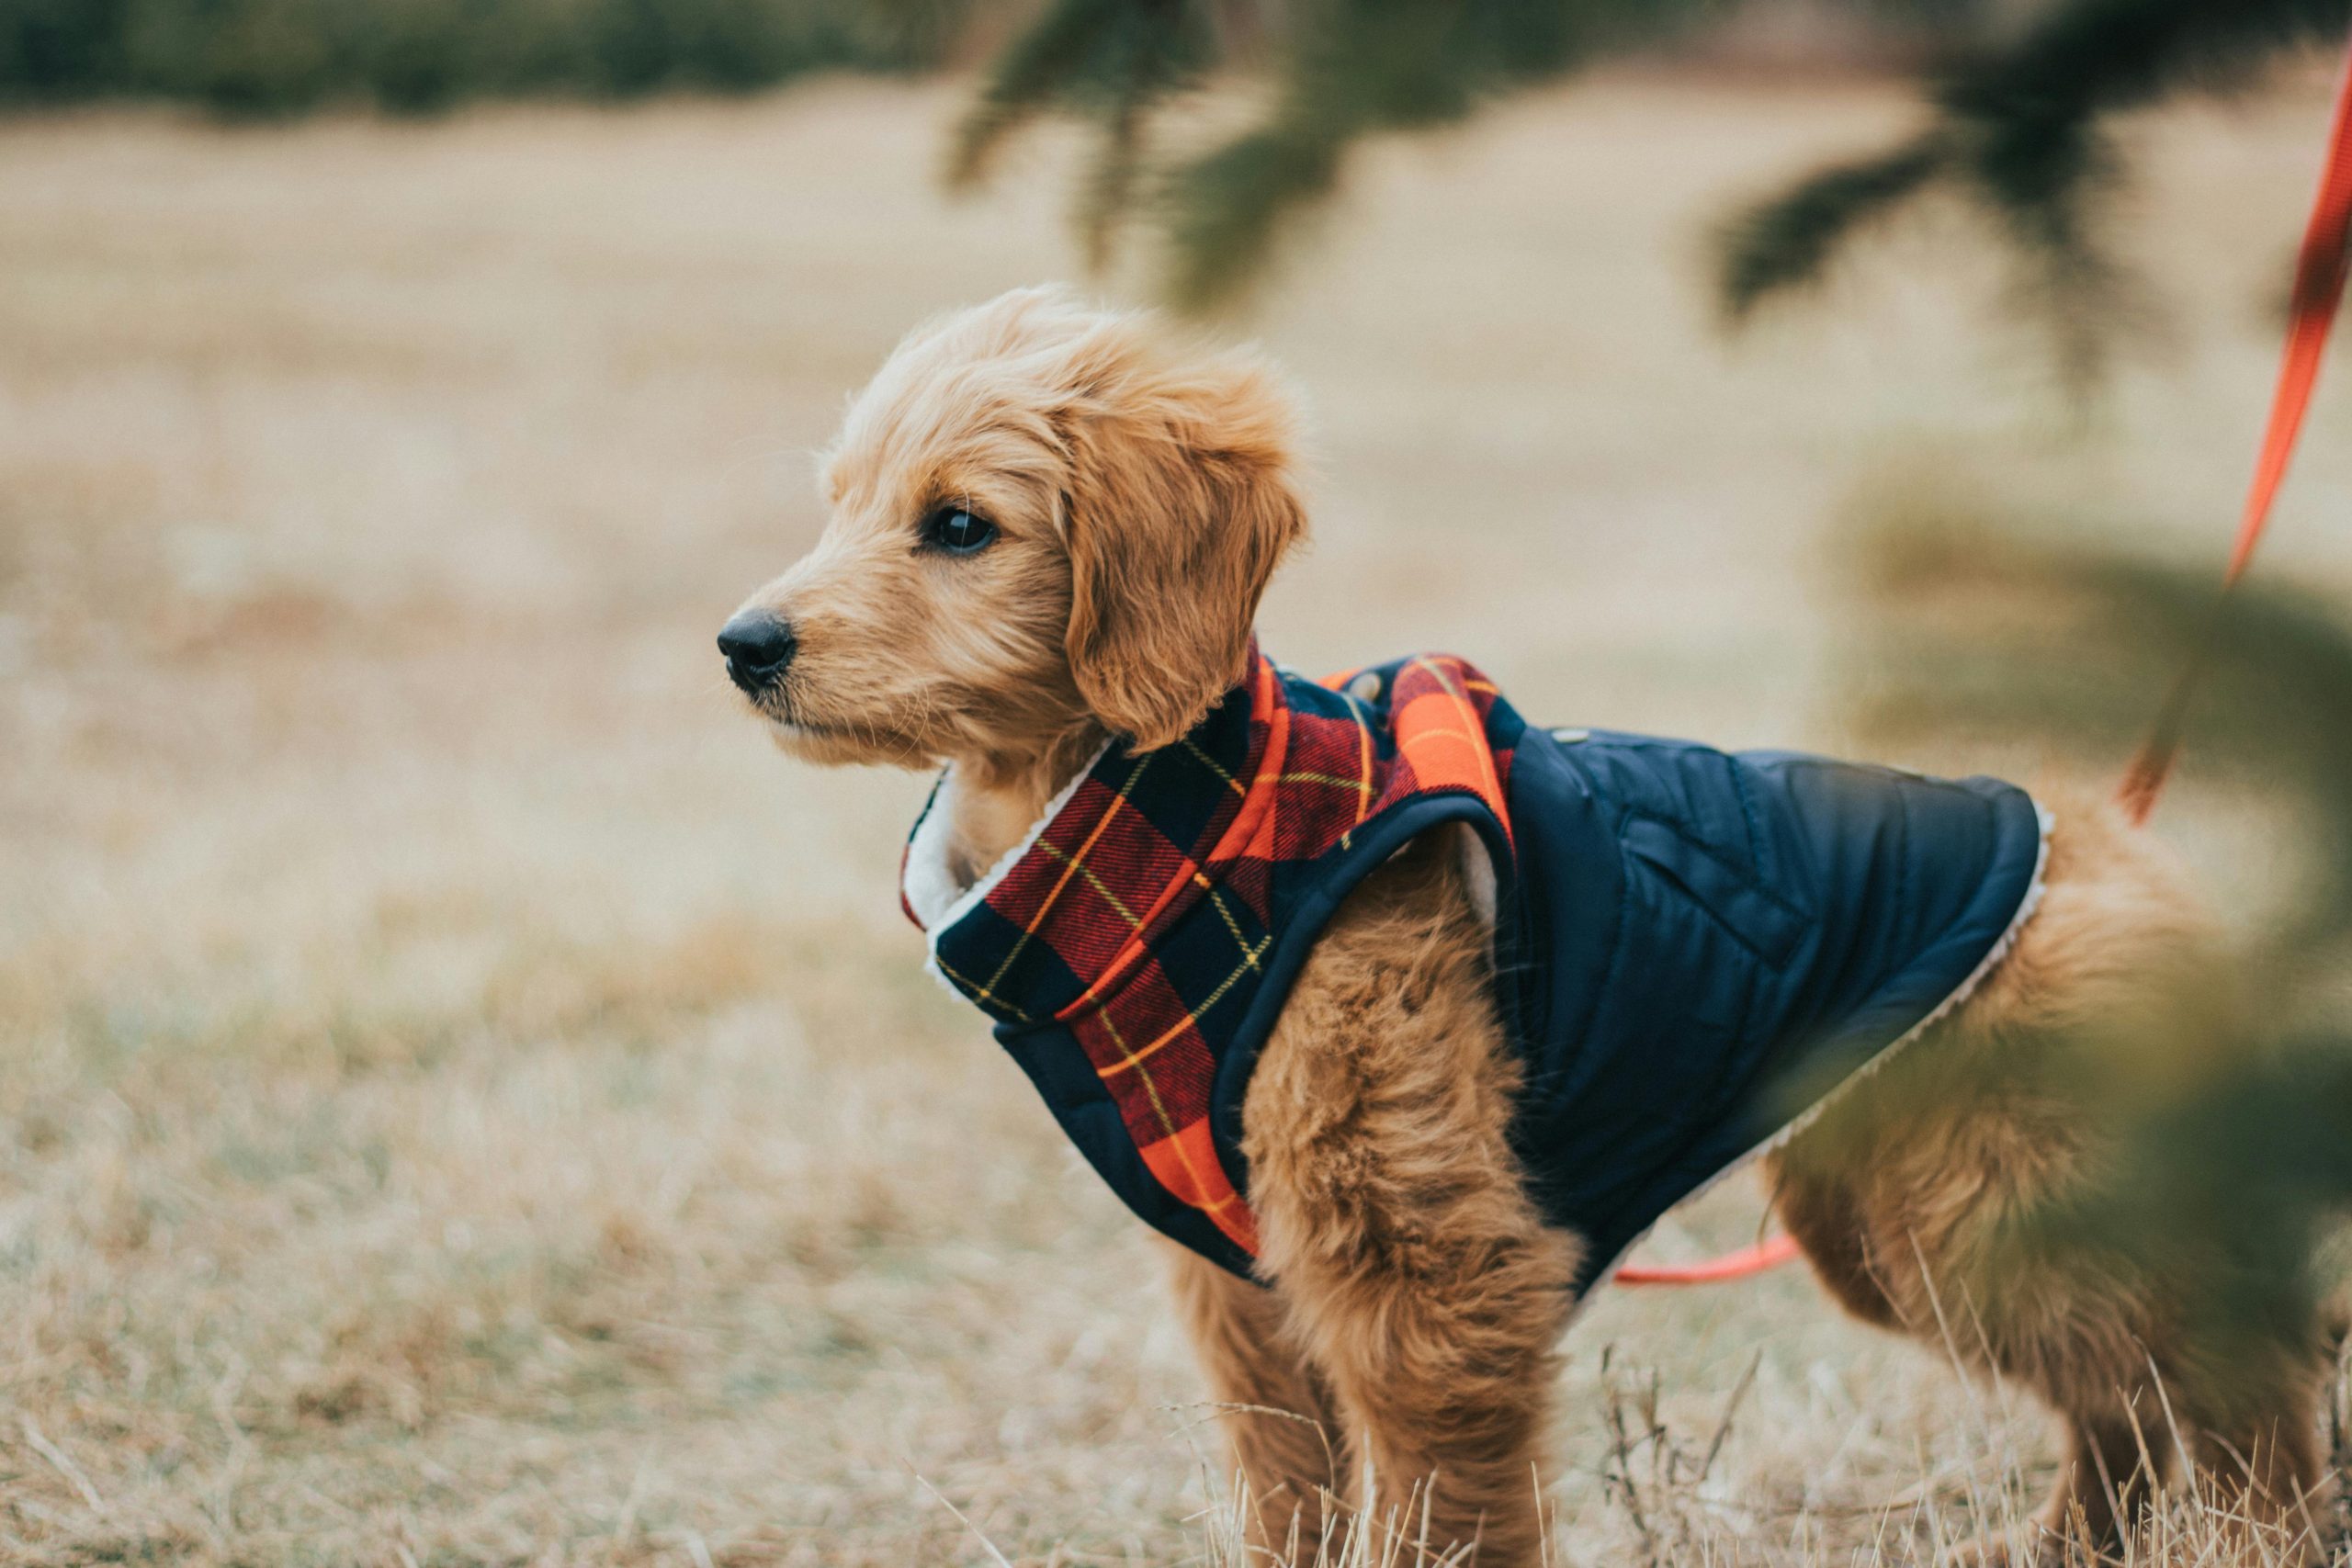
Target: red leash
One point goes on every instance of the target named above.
(2319, 290)
(2320, 274)
(1770, 1253)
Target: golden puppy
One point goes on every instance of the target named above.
(1050, 530)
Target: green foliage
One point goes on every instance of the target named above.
(274, 56)
(1116, 61)
(1788, 241)
(2076, 649)
(2020, 134)
(2017, 124)
(1344, 69)
(61, 48)
(2231, 1109)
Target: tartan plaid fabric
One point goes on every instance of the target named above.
(1693, 947)
(1141, 923)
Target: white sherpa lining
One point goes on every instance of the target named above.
(929, 884)
(1805, 1118)
(939, 900)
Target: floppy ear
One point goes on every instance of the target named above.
(1181, 505)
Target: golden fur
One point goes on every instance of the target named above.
(1143, 494)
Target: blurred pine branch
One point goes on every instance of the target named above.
(2233, 1111)
(2020, 98)
(2020, 133)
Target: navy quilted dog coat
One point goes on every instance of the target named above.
(1692, 948)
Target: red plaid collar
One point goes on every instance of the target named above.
(1140, 916)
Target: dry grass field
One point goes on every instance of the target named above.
(467, 1100)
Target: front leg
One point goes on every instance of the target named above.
(1277, 1412)
(1395, 1220)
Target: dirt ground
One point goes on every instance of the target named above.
(467, 1100)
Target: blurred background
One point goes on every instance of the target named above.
(465, 1100)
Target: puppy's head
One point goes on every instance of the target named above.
(1042, 514)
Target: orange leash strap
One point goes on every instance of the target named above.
(1767, 1254)
(2319, 290)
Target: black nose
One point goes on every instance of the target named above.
(758, 646)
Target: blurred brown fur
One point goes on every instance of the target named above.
(1915, 1197)
(1413, 1294)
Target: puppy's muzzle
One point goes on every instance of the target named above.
(758, 647)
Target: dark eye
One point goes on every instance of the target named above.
(957, 531)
